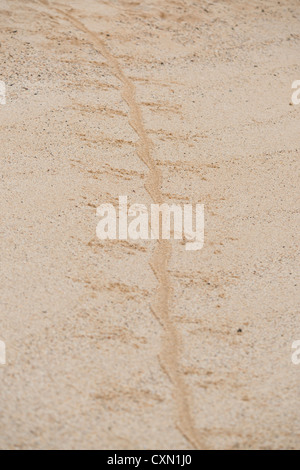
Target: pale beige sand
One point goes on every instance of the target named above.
(116, 345)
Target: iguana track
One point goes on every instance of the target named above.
(170, 353)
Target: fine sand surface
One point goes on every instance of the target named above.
(124, 345)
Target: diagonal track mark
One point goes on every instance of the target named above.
(170, 353)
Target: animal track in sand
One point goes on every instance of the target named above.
(170, 354)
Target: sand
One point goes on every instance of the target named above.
(125, 345)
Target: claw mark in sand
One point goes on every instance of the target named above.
(170, 353)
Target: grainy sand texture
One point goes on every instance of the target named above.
(117, 344)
